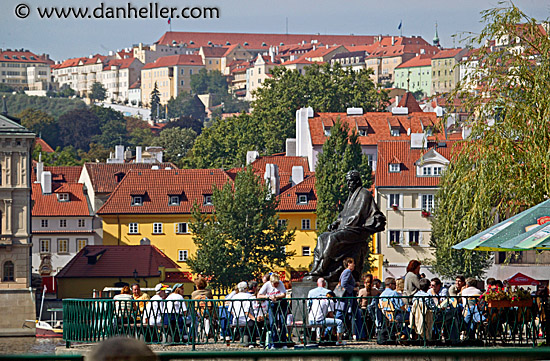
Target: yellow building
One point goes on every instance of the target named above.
(172, 74)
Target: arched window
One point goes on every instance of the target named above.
(9, 272)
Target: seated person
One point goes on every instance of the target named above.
(422, 308)
(437, 289)
(393, 308)
(472, 314)
(242, 311)
(322, 313)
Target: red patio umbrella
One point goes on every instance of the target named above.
(519, 279)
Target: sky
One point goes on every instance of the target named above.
(69, 38)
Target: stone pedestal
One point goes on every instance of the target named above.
(16, 306)
(300, 290)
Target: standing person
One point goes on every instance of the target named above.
(396, 313)
(226, 318)
(242, 310)
(204, 309)
(176, 312)
(412, 278)
(347, 281)
(367, 296)
(275, 292)
(153, 313)
(472, 313)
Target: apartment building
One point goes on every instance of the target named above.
(22, 69)
(172, 75)
(118, 76)
(415, 75)
(445, 72)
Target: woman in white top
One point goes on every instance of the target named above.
(175, 316)
(123, 308)
(275, 291)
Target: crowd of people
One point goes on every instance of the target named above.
(411, 307)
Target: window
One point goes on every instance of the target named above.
(302, 199)
(306, 251)
(306, 224)
(394, 132)
(81, 243)
(208, 200)
(438, 170)
(133, 228)
(62, 223)
(81, 223)
(174, 200)
(428, 202)
(181, 227)
(182, 255)
(393, 200)
(63, 245)
(157, 228)
(414, 238)
(137, 201)
(395, 167)
(282, 222)
(427, 171)
(9, 272)
(44, 245)
(63, 197)
(395, 237)
(44, 223)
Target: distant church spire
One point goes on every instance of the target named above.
(436, 37)
(4, 106)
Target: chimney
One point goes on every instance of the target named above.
(251, 156)
(119, 153)
(46, 182)
(392, 40)
(39, 169)
(297, 174)
(271, 177)
(138, 154)
(290, 147)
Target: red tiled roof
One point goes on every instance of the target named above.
(214, 51)
(61, 174)
(20, 57)
(121, 63)
(136, 85)
(377, 125)
(400, 150)
(447, 53)
(256, 41)
(157, 185)
(173, 60)
(398, 50)
(298, 61)
(284, 164)
(410, 102)
(320, 51)
(288, 200)
(103, 176)
(43, 145)
(117, 261)
(47, 205)
(419, 60)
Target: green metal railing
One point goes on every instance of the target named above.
(420, 321)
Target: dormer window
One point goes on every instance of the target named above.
(137, 200)
(174, 200)
(63, 197)
(119, 177)
(394, 132)
(302, 199)
(208, 200)
(327, 131)
(362, 132)
(395, 167)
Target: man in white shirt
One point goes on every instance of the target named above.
(155, 309)
(437, 289)
(275, 291)
(320, 290)
(322, 313)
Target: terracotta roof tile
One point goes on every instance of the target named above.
(103, 175)
(20, 57)
(173, 60)
(410, 102)
(259, 41)
(117, 261)
(156, 187)
(43, 145)
(419, 60)
(399, 151)
(61, 174)
(288, 200)
(447, 53)
(214, 51)
(47, 205)
(284, 164)
(375, 123)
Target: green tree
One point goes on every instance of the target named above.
(225, 143)
(324, 88)
(243, 232)
(97, 92)
(67, 156)
(212, 82)
(96, 153)
(176, 142)
(78, 127)
(155, 102)
(503, 166)
(186, 104)
(40, 122)
(341, 153)
(142, 137)
(186, 122)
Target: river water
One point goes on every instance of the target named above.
(29, 345)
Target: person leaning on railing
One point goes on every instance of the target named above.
(175, 318)
(275, 292)
(472, 313)
(204, 309)
(123, 308)
(154, 312)
(367, 301)
(422, 311)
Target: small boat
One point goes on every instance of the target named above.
(52, 328)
